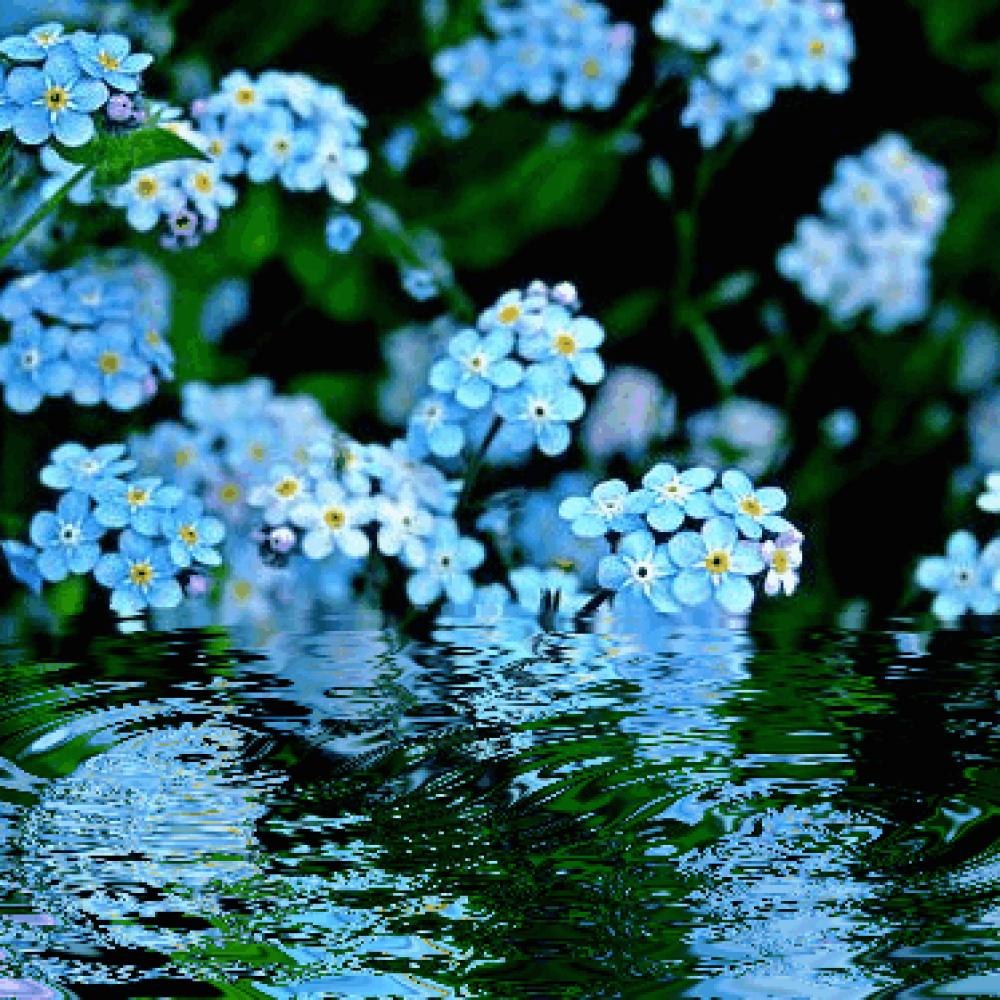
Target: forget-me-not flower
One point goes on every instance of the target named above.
(36, 44)
(963, 579)
(540, 410)
(138, 504)
(475, 366)
(333, 519)
(33, 365)
(140, 575)
(107, 368)
(611, 506)
(672, 495)
(110, 58)
(74, 467)
(447, 568)
(67, 539)
(640, 569)
(54, 101)
(191, 536)
(715, 563)
(753, 510)
(569, 344)
(436, 427)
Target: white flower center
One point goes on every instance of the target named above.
(69, 533)
(31, 359)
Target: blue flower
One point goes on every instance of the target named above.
(569, 344)
(475, 365)
(342, 232)
(33, 365)
(73, 467)
(139, 504)
(640, 570)
(530, 584)
(962, 580)
(205, 187)
(140, 575)
(419, 283)
(539, 410)
(67, 540)
(596, 68)
(191, 535)
(753, 510)
(711, 111)
(7, 108)
(714, 563)
(435, 427)
(149, 195)
(447, 567)
(22, 560)
(107, 368)
(673, 494)
(55, 100)
(610, 507)
(108, 58)
(332, 520)
(35, 45)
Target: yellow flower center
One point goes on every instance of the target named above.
(780, 561)
(107, 60)
(183, 457)
(146, 187)
(287, 487)
(109, 362)
(258, 452)
(202, 182)
(510, 313)
(45, 38)
(817, 47)
(56, 98)
(141, 574)
(215, 147)
(751, 506)
(282, 146)
(188, 533)
(137, 496)
(477, 362)
(242, 590)
(229, 493)
(335, 518)
(567, 565)
(245, 96)
(153, 338)
(717, 562)
(565, 344)
(591, 68)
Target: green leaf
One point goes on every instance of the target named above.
(114, 157)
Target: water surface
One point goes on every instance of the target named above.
(498, 812)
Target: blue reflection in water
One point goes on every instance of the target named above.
(499, 812)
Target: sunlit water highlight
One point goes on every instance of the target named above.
(499, 812)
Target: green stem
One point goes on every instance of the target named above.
(401, 245)
(476, 465)
(41, 214)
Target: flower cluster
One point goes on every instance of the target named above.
(290, 128)
(658, 559)
(139, 537)
(872, 248)
(60, 80)
(754, 49)
(94, 332)
(542, 49)
(509, 382)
